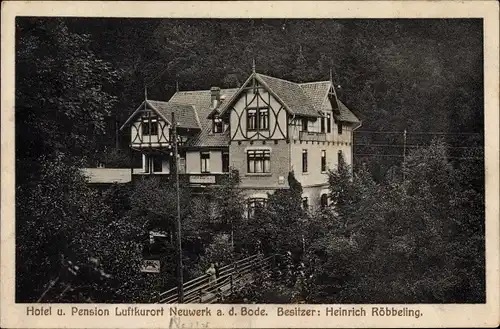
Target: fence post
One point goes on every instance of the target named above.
(231, 284)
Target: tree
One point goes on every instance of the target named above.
(276, 226)
(423, 224)
(67, 232)
(65, 106)
(58, 116)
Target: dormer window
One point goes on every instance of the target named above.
(218, 126)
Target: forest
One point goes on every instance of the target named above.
(401, 229)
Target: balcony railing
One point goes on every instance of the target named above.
(197, 179)
(312, 136)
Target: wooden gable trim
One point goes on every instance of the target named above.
(269, 90)
(140, 109)
(224, 109)
(325, 98)
(244, 87)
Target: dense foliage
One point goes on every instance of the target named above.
(415, 233)
(413, 240)
(418, 239)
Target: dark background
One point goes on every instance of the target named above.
(78, 79)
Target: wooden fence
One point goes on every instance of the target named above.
(231, 278)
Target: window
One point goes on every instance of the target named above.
(205, 161)
(251, 119)
(157, 167)
(304, 160)
(324, 200)
(339, 127)
(323, 119)
(340, 157)
(323, 161)
(146, 163)
(304, 124)
(150, 128)
(305, 203)
(218, 126)
(254, 205)
(264, 118)
(182, 164)
(225, 161)
(258, 119)
(259, 161)
(328, 123)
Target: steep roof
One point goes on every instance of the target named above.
(346, 115)
(185, 114)
(291, 94)
(192, 108)
(317, 93)
(201, 100)
(305, 99)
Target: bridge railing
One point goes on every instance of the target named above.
(231, 277)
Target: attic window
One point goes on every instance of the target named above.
(150, 128)
(257, 118)
(218, 126)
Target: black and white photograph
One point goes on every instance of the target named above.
(249, 161)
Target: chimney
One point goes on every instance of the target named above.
(215, 96)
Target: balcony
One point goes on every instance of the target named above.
(312, 136)
(194, 180)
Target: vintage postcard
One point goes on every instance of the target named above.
(250, 164)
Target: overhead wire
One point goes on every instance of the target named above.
(417, 132)
(413, 145)
(401, 156)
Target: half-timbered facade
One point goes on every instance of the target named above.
(265, 129)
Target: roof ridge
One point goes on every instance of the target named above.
(170, 103)
(202, 90)
(311, 82)
(269, 76)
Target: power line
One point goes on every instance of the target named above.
(413, 145)
(415, 132)
(401, 156)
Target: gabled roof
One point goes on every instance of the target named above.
(201, 100)
(291, 94)
(306, 99)
(208, 139)
(185, 114)
(346, 115)
(318, 93)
